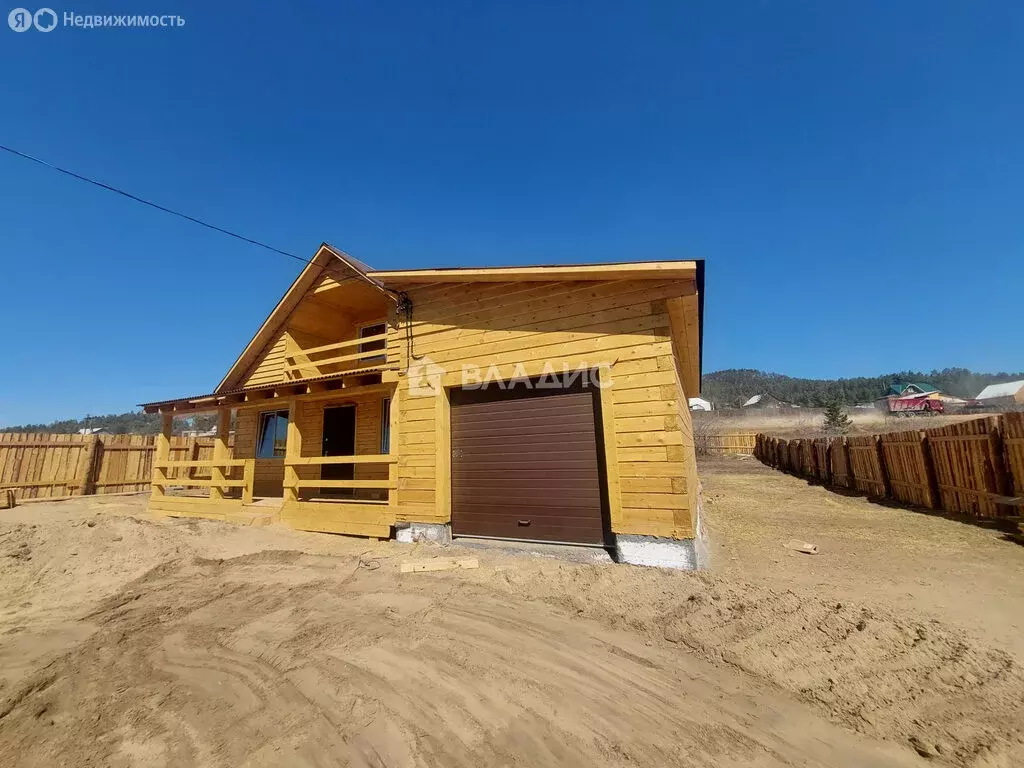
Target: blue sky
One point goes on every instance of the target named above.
(852, 170)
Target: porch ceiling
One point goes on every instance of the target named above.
(263, 393)
(325, 272)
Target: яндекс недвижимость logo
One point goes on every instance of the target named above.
(46, 20)
(22, 19)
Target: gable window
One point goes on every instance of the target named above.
(385, 425)
(273, 435)
(374, 329)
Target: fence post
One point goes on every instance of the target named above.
(162, 454)
(87, 467)
(883, 469)
(995, 441)
(847, 471)
(929, 470)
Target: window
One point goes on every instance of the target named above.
(376, 329)
(273, 435)
(385, 425)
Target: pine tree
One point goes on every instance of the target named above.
(836, 420)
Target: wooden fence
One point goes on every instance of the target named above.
(973, 468)
(866, 467)
(724, 443)
(40, 465)
(839, 463)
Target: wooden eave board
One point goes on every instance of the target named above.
(630, 270)
(216, 399)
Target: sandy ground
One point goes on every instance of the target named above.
(127, 640)
(949, 569)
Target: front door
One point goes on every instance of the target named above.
(339, 440)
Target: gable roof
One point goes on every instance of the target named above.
(383, 280)
(321, 263)
(765, 398)
(1006, 389)
(899, 388)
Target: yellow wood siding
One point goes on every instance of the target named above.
(368, 434)
(270, 472)
(328, 312)
(640, 332)
(269, 367)
(416, 458)
(685, 322)
(519, 328)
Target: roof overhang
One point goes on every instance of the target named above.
(700, 321)
(918, 395)
(634, 270)
(263, 394)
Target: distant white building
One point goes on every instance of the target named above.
(94, 431)
(1007, 393)
(766, 400)
(700, 404)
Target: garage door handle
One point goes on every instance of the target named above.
(524, 522)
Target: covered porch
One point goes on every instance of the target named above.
(306, 416)
(317, 455)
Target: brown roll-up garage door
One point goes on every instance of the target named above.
(525, 466)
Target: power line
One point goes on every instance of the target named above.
(340, 277)
(157, 206)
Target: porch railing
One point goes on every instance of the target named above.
(303, 363)
(218, 483)
(293, 484)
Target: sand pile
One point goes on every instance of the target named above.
(128, 641)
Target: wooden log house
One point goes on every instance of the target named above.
(542, 403)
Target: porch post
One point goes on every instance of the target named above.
(162, 453)
(292, 451)
(220, 453)
(393, 447)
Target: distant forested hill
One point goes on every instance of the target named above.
(723, 388)
(131, 423)
(733, 387)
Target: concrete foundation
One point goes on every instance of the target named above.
(657, 552)
(408, 533)
(684, 554)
